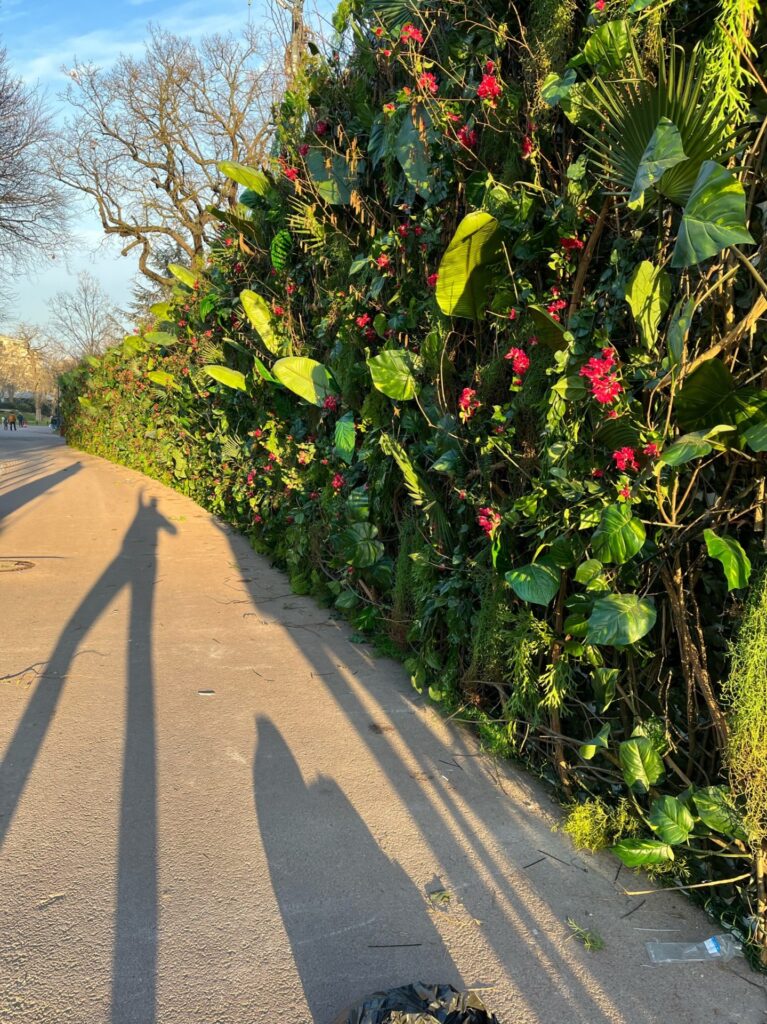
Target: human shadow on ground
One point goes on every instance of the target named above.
(136, 912)
(326, 869)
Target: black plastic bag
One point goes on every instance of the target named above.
(420, 1004)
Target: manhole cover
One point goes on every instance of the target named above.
(14, 565)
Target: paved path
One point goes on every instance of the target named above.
(215, 809)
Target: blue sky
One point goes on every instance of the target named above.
(40, 36)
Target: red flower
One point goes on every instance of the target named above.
(257, 432)
(599, 5)
(330, 403)
(337, 482)
(321, 128)
(624, 493)
(596, 473)
(417, 230)
(520, 361)
(290, 288)
(489, 520)
(428, 83)
(625, 458)
(489, 89)
(378, 32)
(512, 314)
(228, 241)
(489, 66)
(411, 34)
(387, 53)
(278, 310)
(389, 107)
(303, 149)
(605, 386)
(403, 230)
(468, 404)
(291, 173)
(571, 243)
(431, 280)
(652, 451)
(383, 262)
(526, 148)
(467, 137)
(313, 495)
(363, 320)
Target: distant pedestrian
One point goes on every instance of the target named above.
(5, 422)
(22, 421)
(12, 421)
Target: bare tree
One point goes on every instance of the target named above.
(146, 135)
(33, 209)
(85, 321)
(30, 361)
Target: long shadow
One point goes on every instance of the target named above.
(10, 501)
(441, 821)
(135, 944)
(322, 858)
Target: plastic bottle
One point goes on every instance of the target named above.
(718, 947)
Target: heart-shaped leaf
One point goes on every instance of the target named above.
(599, 742)
(717, 812)
(304, 377)
(663, 151)
(706, 397)
(641, 763)
(345, 437)
(535, 583)
(620, 619)
(619, 536)
(555, 88)
(462, 279)
(608, 46)
(670, 820)
(734, 560)
(392, 374)
(714, 217)
(359, 545)
(184, 274)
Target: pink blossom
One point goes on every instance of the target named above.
(520, 361)
(489, 520)
(625, 458)
(337, 482)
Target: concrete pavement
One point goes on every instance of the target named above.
(215, 809)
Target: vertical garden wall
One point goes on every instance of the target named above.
(480, 360)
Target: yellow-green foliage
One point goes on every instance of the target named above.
(549, 37)
(746, 690)
(725, 47)
(593, 826)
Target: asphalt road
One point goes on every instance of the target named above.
(216, 809)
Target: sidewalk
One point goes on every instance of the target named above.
(215, 809)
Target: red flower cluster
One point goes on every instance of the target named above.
(403, 230)
(411, 34)
(553, 308)
(652, 451)
(322, 128)
(468, 403)
(571, 243)
(389, 108)
(278, 310)
(489, 88)
(337, 482)
(489, 520)
(467, 137)
(526, 148)
(520, 361)
(599, 5)
(625, 458)
(605, 386)
(431, 280)
(291, 173)
(303, 149)
(378, 32)
(428, 83)
(363, 320)
(330, 403)
(383, 262)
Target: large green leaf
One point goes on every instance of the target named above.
(638, 853)
(248, 177)
(535, 583)
(603, 683)
(163, 378)
(734, 560)
(224, 375)
(716, 811)
(705, 399)
(184, 274)
(412, 149)
(345, 437)
(359, 545)
(333, 176)
(608, 46)
(551, 333)
(588, 749)
(304, 377)
(555, 88)
(161, 338)
(664, 151)
(686, 448)
(392, 373)
(670, 820)
(620, 619)
(280, 249)
(641, 764)
(648, 295)
(714, 217)
(260, 315)
(463, 280)
(619, 536)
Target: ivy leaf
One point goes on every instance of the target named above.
(620, 619)
(608, 46)
(670, 820)
(536, 583)
(637, 853)
(648, 295)
(462, 277)
(663, 151)
(600, 741)
(304, 377)
(641, 764)
(717, 813)
(226, 376)
(359, 545)
(345, 438)
(619, 536)
(392, 374)
(714, 217)
(260, 316)
(555, 88)
(734, 560)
